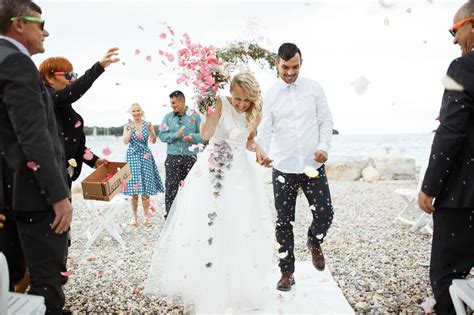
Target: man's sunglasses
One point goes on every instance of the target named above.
(70, 76)
(32, 19)
(456, 26)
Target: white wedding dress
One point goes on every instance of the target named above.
(215, 251)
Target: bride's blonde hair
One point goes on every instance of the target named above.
(249, 84)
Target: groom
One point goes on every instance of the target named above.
(296, 131)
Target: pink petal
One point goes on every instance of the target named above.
(147, 155)
(211, 110)
(148, 215)
(161, 52)
(148, 58)
(139, 136)
(428, 304)
(106, 151)
(181, 183)
(151, 207)
(70, 261)
(135, 187)
(67, 273)
(163, 35)
(32, 165)
(124, 186)
(77, 124)
(137, 51)
(280, 297)
(100, 273)
(88, 155)
(170, 57)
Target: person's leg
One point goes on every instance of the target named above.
(452, 253)
(145, 204)
(171, 181)
(186, 166)
(45, 255)
(285, 190)
(135, 209)
(318, 195)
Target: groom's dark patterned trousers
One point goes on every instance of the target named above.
(177, 168)
(285, 190)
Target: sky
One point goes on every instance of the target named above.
(401, 48)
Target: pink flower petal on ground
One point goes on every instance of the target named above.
(148, 58)
(67, 273)
(135, 187)
(141, 27)
(170, 57)
(77, 124)
(32, 165)
(171, 30)
(148, 215)
(106, 151)
(161, 52)
(137, 51)
(181, 183)
(151, 207)
(163, 35)
(428, 304)
(100, 273)
(139, 136)
(147, 155)
(70, 261)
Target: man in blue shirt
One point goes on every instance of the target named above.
(180, 130)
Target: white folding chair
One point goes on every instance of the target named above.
(104, 213)
(462, 294)
(15, 303)
(411, 199)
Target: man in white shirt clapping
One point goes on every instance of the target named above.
(296, 131)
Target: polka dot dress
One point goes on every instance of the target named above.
(145, 177)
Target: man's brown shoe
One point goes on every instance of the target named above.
(286, 281)
(318, 257)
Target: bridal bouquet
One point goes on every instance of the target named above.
(208, 68)
(204, 70)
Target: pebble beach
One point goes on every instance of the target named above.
(379, 265)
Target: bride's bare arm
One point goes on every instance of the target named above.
(209, 124)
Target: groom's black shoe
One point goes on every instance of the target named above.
(318, 257)
(286, 281)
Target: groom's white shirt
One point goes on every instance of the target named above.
(296, 122)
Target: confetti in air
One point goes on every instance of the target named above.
(77, 124)
(72, 162)
(106, 151)
(360, 85)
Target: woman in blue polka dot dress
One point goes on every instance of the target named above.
(145, 179)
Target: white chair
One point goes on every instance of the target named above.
(462, 292)
(104, 212)
(411, 199)
(15, 303)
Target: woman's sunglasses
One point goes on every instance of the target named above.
(70, 76)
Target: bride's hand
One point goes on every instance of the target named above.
(262, 157)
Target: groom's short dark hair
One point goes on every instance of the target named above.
(178, 94)
(288, 51)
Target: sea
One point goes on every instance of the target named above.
(343, 147)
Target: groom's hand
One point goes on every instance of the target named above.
(2, 219)
(320, 156)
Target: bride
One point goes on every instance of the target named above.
(215, 251)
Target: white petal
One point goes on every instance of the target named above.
(450, 84)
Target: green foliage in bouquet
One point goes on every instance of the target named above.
(241, 52)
